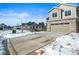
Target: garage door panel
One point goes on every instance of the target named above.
(59, 28)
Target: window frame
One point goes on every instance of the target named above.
(68, 13)
(54, 14)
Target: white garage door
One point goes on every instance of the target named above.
(60, 28)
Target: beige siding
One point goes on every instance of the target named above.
(73, 11)
(58, 14)
(64, 8)
(48, 27)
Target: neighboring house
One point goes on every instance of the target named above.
(36, 27)
(33, 27)
(4, 27)
(26, 27)
(63, 18)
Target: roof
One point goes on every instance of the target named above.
(53, 9)
(72, 5)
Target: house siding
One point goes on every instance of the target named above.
(58, 14)
(65, 8)
(63, 23)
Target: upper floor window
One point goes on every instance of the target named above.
(54, 14)
(68, 13)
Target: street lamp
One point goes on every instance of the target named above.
(21, 27)
(3, 27)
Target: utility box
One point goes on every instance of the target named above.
(14, 30)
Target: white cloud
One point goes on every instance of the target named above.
(11, 17)
(14, 14)
(39, 18)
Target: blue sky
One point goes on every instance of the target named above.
(13, 13)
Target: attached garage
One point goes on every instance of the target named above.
(60, 27)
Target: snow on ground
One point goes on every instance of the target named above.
(3, 49)
(8, 34)
(16, 35)
(64, 45)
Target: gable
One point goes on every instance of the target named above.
(67, 5)
(61, 6)
(56, 9)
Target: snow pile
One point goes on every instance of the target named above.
(15, 35)
(18, 34)
(64, 45)
(3, 49)
(9, 34)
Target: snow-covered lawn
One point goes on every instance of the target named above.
(16, 35)
(8, 34)
(64, 45)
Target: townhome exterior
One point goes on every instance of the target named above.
(63, 18)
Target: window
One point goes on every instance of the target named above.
(54, 15)
(78, 12)
(68, 13)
